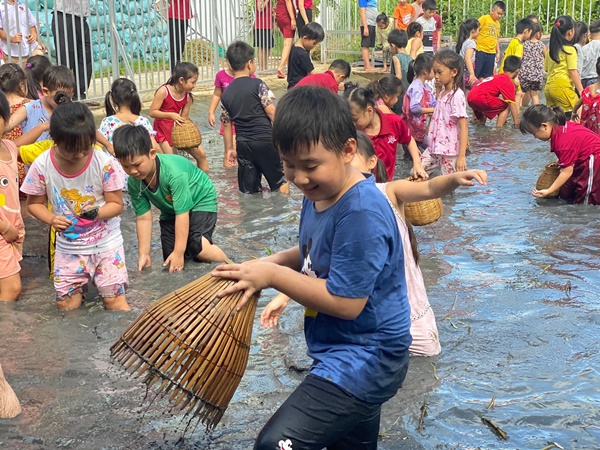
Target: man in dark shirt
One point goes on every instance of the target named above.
(300, 64)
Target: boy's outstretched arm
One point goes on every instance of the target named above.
(143, 225)
(182, 231)
(562, 178)
(310, 292)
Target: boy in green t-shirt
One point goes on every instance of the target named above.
(183, 193)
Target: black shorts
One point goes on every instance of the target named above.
(300, 21)
(368, 41)
(202, 224)
(263, 38)
(319, 414)
(485, 63)
(256, 159)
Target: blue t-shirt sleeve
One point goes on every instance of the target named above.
(359, 252)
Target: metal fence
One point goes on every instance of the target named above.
(341, 19)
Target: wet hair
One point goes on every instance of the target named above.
(130, 141)
(523, 25)
(537, 29)
(313, 31)
(382, 18)
(581, 30)
(364, 147)
(13, 79)
(4, 107)
(598, 66)
(309, 115)
(399, 38)
(452, 61)
(557, 37)
(499, 4)
(512, 63)
(72, 127)
(58, 78)
(387, 85)
(595, 27)
(360, 97)
(419, 65)
(238, 55)
(122, 93)
(35, 67)
(339, 65)
(534, 116)
(413, 28)
(429, 5)
(185, 70)
(464, 32)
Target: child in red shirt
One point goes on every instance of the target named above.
(337, 72)
(577, 149)
(484, 97)
(385, 130)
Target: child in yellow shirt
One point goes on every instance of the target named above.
(487, 53)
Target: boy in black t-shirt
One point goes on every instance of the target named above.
(248, 103)
(300, 64)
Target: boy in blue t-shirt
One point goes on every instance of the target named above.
(347, 271)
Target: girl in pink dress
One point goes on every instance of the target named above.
(590, 104)
(424, 332)
(577, 149)
(171, 105)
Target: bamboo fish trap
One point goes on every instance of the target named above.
(9, 403)
(425, 212)
(193, 345)
(549, 175)
(186, 135)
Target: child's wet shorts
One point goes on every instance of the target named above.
(490, 108)
(367, 41)
(528, 85)
(106, 270)
(202, 224)
(256, 159)
(484, 64)
(10, 255)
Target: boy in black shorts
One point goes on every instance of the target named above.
(300, 65)
(248, 103)
(183, 193)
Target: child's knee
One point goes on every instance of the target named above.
(10, 288)
(118, 303)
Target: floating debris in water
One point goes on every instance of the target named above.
(495, 428)
(546, 268)
(422, 417)
(568, 288)
(492, 403)
(42, 317)
(434, 371)
(552, 445)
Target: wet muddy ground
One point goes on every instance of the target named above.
(496, 265)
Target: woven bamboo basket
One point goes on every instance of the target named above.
(9, 403)
(549, 175)
(191, 347)
(425, 212)
(186, 135)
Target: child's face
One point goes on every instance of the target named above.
(443, 74)
(73, 155)
(430, 75)
(49, 95)
(515, 74)
(189, 84)
(496, 13)
(318, 172)
(140, 166)
(382, 25)
(474, 33)
(428, 13)
(544, 132)
(527, 35)
(361, 118)
(390, 100)
(309, 44)
(400, 2)
(362, 164)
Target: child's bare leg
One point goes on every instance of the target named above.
(526, 98)
(118, 303)
(10, 288)
(200, 156)
(210, 252)
(263, 58)
(535, 98)
(366, 56)
(502, 118)
(166, 148)
(71, 302)
(519, 98)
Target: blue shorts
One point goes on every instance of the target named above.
(485, 63)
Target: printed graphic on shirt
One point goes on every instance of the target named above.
(71, 203)
(308, 270)
(285, 445)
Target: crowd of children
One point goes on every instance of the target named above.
(340, 151)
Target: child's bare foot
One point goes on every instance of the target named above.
(371, 69)
(72, 302)
(116, 303)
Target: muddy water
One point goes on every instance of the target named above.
(496, 267)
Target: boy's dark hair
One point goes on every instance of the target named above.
(499, 4)
(341, 66)
(382, 18)
(4, 107)
(122, 93)
(423, 62)
(537, 28)
(72, 127)
(386, 85)
(130, 141)
(524, 24)
(313, 31)
(238, 54)
(58, 78)
(560, 28)
(185, 70)
(412, 29)
(512, 63)
(399, 38)
(595, 27)
(11, 77)
(309, 115)
(35, 67)
(535, 115)
(430, 5)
